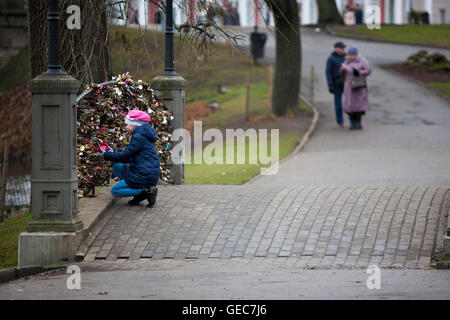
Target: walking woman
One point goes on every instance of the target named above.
(355, 100)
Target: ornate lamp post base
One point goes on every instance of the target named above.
(55, 226)
(54, 182)
(51, 236)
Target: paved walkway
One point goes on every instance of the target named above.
(319, 225)
(406, 133)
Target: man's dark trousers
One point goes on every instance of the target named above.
(338, 104)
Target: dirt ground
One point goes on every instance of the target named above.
(419, 73)
(6, 54)
(195, 112)
(293, 122)
(15, 115)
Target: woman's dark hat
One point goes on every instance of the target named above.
(339, 45)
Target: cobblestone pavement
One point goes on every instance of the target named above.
(314, 225)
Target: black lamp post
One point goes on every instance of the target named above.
(169, 69)
(172, 89)
(54, 58)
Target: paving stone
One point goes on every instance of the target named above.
(325, 226)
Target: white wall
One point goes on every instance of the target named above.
(398, 11)
(429, 8)
(341, 5)
(140, 6)
(247, 13)
(310, 12)
(245, 9)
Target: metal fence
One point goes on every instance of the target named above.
(17, 193)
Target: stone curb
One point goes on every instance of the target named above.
(333, 33)
(90, 226)
(445, 223)
(11, 274)
(311, 129)
(305, 138)
(443, 265)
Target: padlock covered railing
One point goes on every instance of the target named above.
(100, 119)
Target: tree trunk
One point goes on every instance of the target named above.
(286, 86)
(84, 52)
(328, 12)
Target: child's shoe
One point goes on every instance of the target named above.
(151, 196)
(139, 198)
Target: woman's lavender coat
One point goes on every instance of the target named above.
(353, 101)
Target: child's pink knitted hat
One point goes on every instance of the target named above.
(137, 118)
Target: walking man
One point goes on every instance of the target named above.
(335, 79)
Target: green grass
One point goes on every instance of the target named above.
(232, 104)
(434, 35)
(236, 174)
(441, 87)
(446, 258)
(9, 235)
(304, 106)
(224, 64)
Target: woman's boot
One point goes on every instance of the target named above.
(358, 117)
(351, 117)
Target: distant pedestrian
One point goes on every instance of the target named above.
(235, 16)
(425, 17)
(349, 16)
(358, 14)
(228, 16)
(211, 13)
(355, 100)
(335, 78)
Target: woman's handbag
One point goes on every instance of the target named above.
(358, 82)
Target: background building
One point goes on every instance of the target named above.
(256, 12)
(397, 11)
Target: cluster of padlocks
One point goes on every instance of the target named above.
(101, 119)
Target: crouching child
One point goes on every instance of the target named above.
(137, 166)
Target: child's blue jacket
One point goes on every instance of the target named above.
(141, 169)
